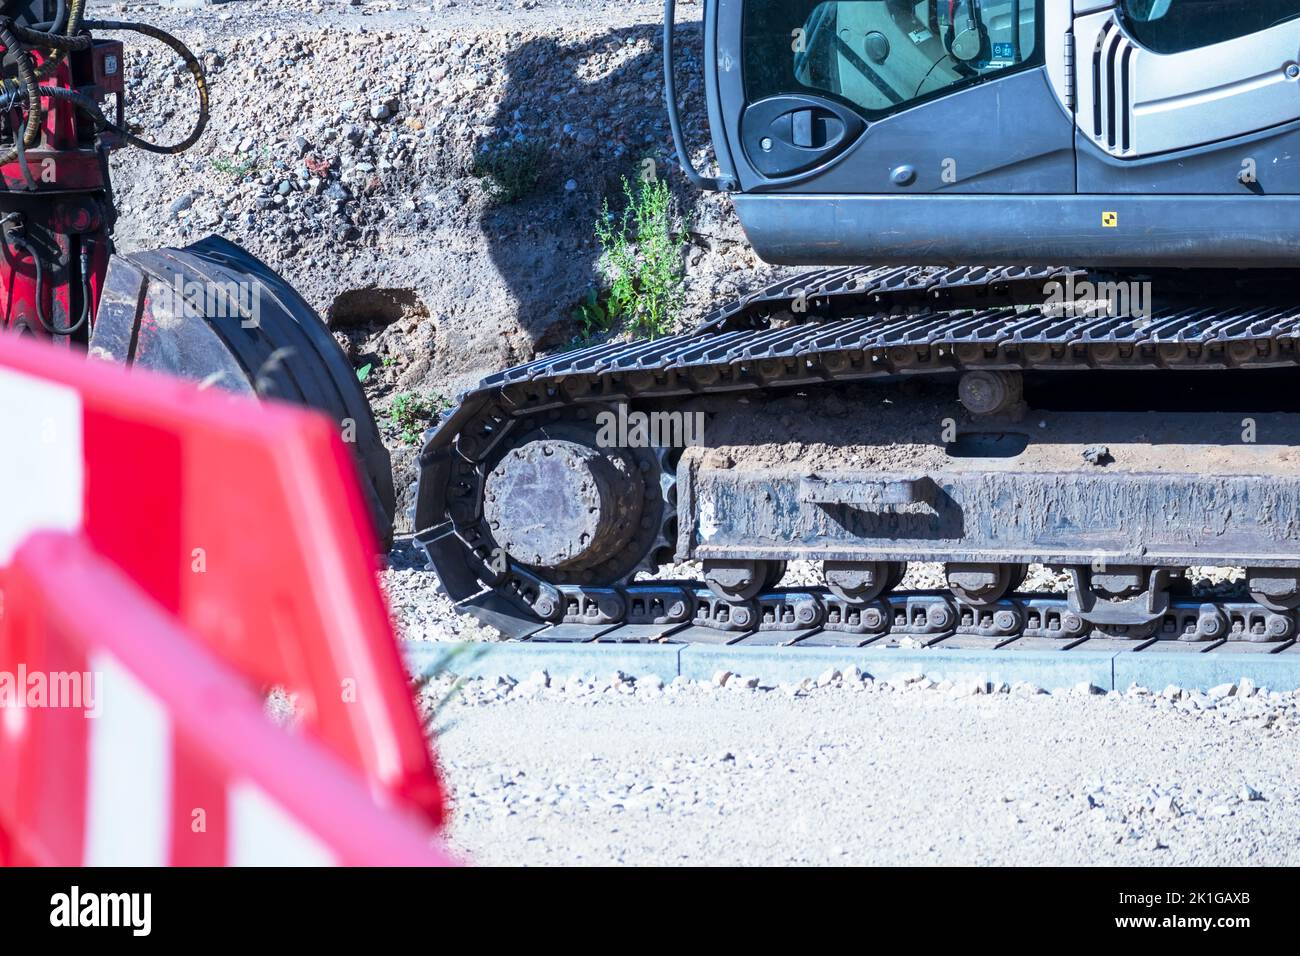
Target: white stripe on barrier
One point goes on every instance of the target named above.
(42, 474)
(129, 778)
(260, 832)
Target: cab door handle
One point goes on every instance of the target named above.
(801, 129)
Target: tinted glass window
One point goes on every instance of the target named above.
(884, 55)
(1172, 26)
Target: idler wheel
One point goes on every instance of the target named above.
(562, 505)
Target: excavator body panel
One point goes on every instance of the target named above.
(1130, 133)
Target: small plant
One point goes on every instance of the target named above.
(412, 413)
(363, 373)
(592, 319)
(641, 256)
(509, 171)
(237, 168)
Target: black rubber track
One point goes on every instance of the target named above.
(833, 326)
(287, 353)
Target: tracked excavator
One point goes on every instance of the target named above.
(1053, 322)
(210, 311)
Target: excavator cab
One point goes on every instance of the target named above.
(946, 132)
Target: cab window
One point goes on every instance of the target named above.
(1173, 26)
(881, 56)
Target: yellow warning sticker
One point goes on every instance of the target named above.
(1110, 220)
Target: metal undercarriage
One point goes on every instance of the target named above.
(867, 418)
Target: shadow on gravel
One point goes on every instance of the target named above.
(598, 106)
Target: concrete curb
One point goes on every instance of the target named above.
(1047, 669)
(519, 659)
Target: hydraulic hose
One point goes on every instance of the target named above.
(56, 55)
(29, 76)
(20, 243)
(27, 83)
(191, 63)
(81, 41)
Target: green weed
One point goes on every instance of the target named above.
(444, 664)
(641, 258)
(238, 168)
(510, 171)
(411, 414)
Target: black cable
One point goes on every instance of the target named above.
(28, 80)
(81, 41)
(21, 149)
(60, 22)
(191, 63)
(91, 109)
(71, 27)
(21, 243)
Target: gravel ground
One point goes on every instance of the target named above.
(610, 771)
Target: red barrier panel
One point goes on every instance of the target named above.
(242, 522)
(147, 749)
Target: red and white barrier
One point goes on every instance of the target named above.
(188, 550)
(43, 476)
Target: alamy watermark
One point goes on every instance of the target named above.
(133, 911)
(63, 690)
(235, 300)
(1085, 299)
(625, 429)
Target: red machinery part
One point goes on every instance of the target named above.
(242, 522)
(63, 197)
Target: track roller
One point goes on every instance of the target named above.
(861, 582)
(775, 572)
(739, 580)
(1277, 589)
(982, 584)
(1211, 625)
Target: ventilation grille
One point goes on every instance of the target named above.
(1113, 60)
